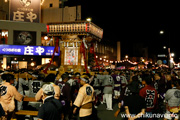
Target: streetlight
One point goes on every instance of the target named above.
(164, 47)
(126, 56)
(161, 32)
(172, 54)
(89, 19)
(169, 51)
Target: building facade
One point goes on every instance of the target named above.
(52, 11)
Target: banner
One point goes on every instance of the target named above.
(28, 50)
(25, 10)
(71, 56)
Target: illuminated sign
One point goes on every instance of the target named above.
(161, 55)
(25, 10)
(27, 50)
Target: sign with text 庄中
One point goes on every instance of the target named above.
(27, 50)
(25, 10)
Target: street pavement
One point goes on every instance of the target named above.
(104, 114)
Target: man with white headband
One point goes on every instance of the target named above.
(84, 99)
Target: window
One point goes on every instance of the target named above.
(50, 5)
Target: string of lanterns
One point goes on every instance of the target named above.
(134, 63)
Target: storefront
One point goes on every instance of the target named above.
(19, 41)
(23, 56)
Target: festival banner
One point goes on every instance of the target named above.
(71, 56)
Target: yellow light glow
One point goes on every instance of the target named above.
(172, 54)
(88, 19)
(32, 64)
(45, 37)
(126, 56)
(42, 1)
(161, 32)
(5, 33)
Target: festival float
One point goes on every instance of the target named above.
(76, 40)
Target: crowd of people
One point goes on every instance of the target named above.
(141, 94)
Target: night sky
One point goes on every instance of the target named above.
(136, 22)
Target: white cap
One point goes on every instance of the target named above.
(48, 89)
